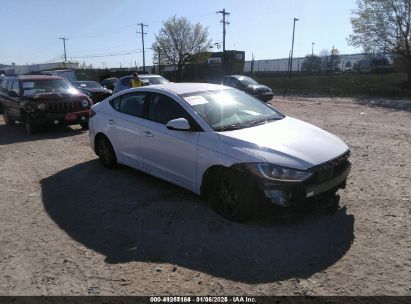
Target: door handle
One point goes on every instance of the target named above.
(111, 122)
(148, 134)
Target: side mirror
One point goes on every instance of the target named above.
(13, 94)
(179, 124)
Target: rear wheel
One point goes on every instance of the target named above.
(231, 197)
(106, 153)
(7, 120)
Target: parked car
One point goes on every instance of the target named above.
(109, 83)
(148, 79)
(93, 89)
(249, 86)
(222, 143)
(39, 100)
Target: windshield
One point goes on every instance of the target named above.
(47, 86)
(247, 80)
(87, 84)
(155, 80)
(230, 109)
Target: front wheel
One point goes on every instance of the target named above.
(231, 196)
(29, 125)
(84, 125)
(106, 153)
(7, 120)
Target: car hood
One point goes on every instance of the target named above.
(55, 95)
(288, 142)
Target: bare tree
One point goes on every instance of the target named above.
(179, 41)
(381, 26)
(330, 60)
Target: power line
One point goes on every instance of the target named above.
(136, 51)
(64, 45)
(142, 40)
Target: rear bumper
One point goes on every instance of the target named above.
(294, 194)
(265, 96)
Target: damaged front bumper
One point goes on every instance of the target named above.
(288, 194)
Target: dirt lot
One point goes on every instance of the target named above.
(69, 226)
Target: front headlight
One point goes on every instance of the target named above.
(84, 103)
(41, 106)
(283, 174)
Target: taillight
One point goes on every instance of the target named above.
(91, 113)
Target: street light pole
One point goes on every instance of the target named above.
(292, 48)
(312, 50)
(290, 61)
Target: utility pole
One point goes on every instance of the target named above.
(64, 45)
(142, 41)
(224, 13)
(312, 50)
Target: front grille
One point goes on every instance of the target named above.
(64, 106)
(330, 169)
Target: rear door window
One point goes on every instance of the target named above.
(131, 103)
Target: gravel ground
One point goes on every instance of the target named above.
(68, 226)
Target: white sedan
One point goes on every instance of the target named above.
(219, 142)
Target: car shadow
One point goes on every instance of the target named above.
(17, 134)
(127, 215)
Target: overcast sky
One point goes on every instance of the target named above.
(30, 28)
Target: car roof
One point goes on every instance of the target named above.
(149, 75)
(142, 75)
(37, 77)
(184, 88)
(236, 76)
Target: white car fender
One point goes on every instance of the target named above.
(209, 155)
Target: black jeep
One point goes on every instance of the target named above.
(39, 100)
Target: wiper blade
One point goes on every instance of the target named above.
(262, 120)
(228, 128)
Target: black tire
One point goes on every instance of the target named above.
(7, 120)
(105, 152)
(232, 196)
(84, 125)
(29, 125)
